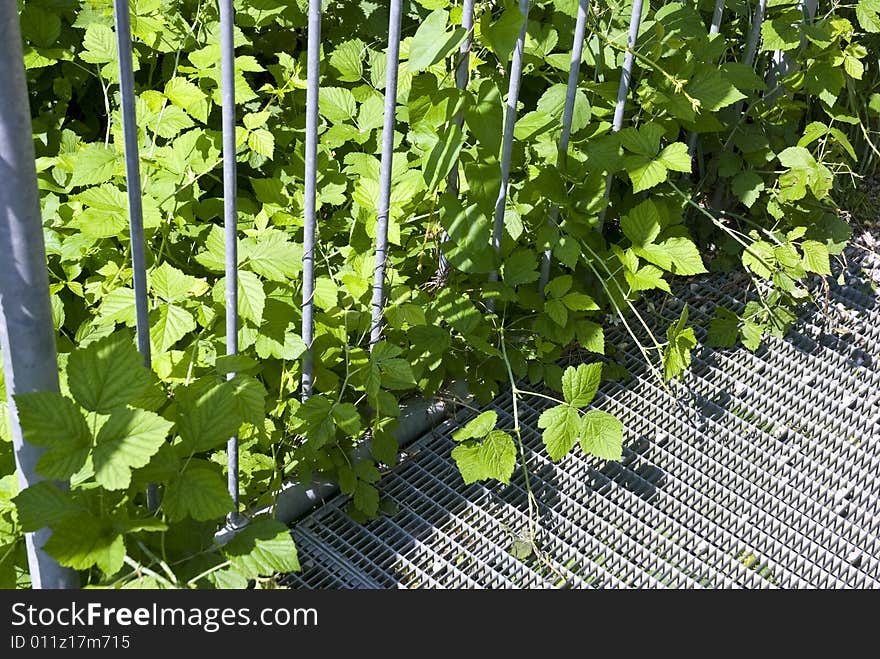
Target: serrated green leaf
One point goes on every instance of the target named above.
(713, 91)
(262, 141)
(642, 224)
(49, 419)
(646, 278)
(348, 60)
(126, 441)
(347, 418)
(644, 173)
(677, 254)
(681, 340)
(675, 157)
(747, 186)
(521, 267)
(816, 257)
(272, 255)
(337, 104)
(44, 505)
(263, 548)
(431, 42)
(107, 373)
(579, 385)
(207, 417)
(188, 97)
(590, 336)
(83, 541)
(561, 425)
(91, 165)
(723, 329)
(477, 428)
(99, 44)
(197, 492)
(168, 324)
(493, 458)
(557, 311)
(602, 435)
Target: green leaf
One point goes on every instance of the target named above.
(561, 425)
(646, 278)
(590, 336)
(602, 435)
(197, 492)
(99, 44)
(316, 422)
(579, 302)
(347, 418)
(49, 419)
(262, 141)
(552, 103)
(126, 441)
(579, 385)
(868, 15)
(723, 329)
(168, 324)
(758, 257)
(107, 373)
(677, 354)
(642, 224)
(91, 165)
(468, 248)
(348, 60)
(263, 548)
(494, 457)
(188, 97)
(521, 267)
(207, 418)
(503, 33)
(273, 256)
(337, 104)
(644, 173)
(251, 296)
(84, 541)
(477, 428)
(171, 284)
(432, 42)
(44, 505)
(816, 257)
(678, 255)
(747, 187)
(557, 311)
(713, 91)
(675, 157)
(559, 286)
(644, 140)
(443, 156)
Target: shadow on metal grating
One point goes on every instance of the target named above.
(758, 470)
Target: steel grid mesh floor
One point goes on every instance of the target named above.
(756, 471)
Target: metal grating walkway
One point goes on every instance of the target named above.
(758, 471)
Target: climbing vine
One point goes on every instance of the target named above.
(757, 192)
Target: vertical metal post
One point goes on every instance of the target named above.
(462, 74)
(714, 28)
(574, 70)
(27, 337)
(516, 66)
(393, 59)
(309, 221)
(623, 90)
(133, 185)
(230, 217)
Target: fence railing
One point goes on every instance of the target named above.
(26, 330)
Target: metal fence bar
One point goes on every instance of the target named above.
(714, 28)
(230, 217)
(27, 336)
(574, 70)
(623, 90)
(516, 66)
(393, 59)
(313, 65)
(128, 112)
(462, 75)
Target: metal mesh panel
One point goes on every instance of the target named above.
(757, 470)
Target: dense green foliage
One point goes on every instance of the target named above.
(770, 151)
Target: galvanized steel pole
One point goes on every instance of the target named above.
(574, 70)
(623, 90)
(133, 185)
(27, 336)
(230, 217)
(462, 75)
(516, 66)
(310, 221)
(393, 58)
